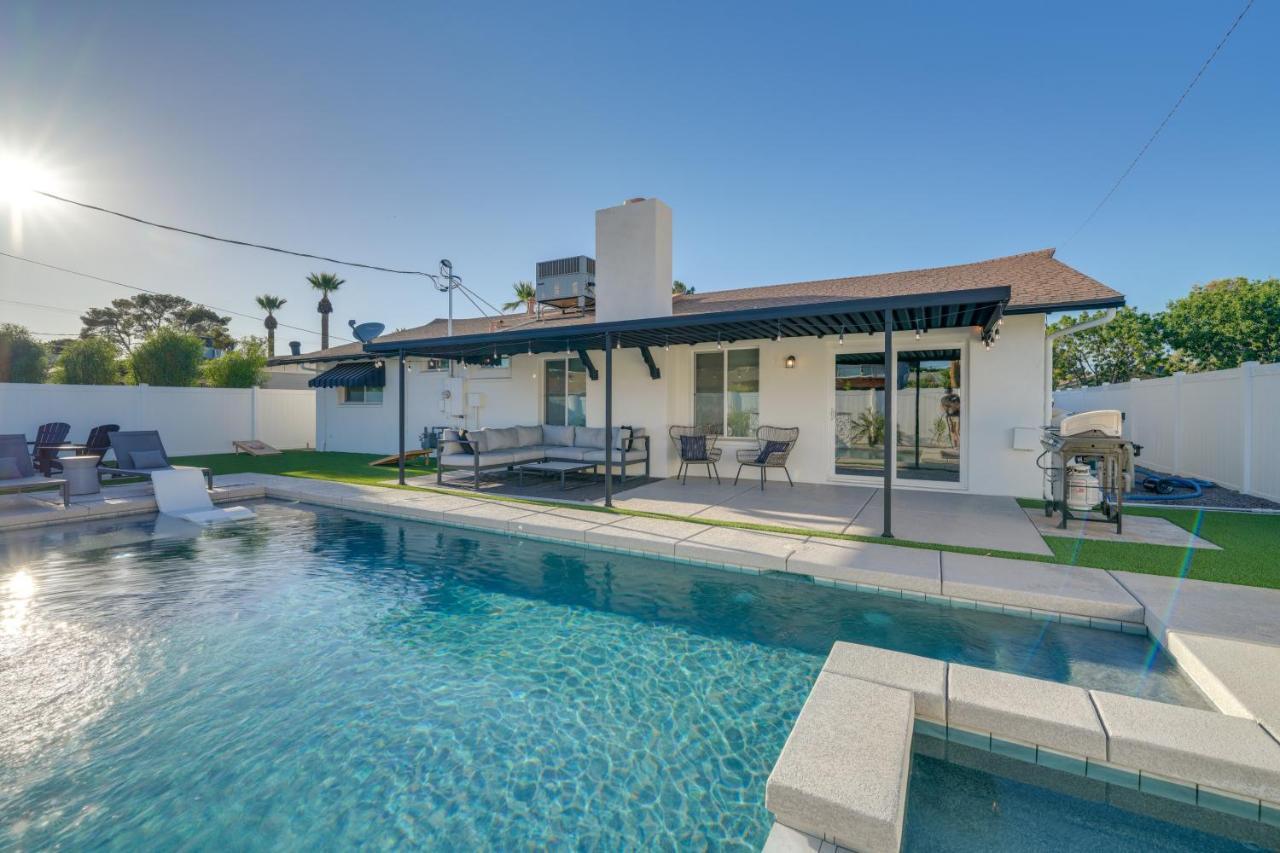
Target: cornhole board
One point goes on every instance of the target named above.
(394, 459)
(254, 448)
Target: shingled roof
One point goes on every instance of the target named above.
(1038, 283)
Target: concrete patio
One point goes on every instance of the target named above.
(943, 518)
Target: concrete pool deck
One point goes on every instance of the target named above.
(1225, 637)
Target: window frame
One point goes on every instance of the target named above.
(546, 376)
(723, 352)
(344, 393)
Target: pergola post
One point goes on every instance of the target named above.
(890, 432)
(608, 419)
(401, 360)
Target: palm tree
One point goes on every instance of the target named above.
(524, 291)
(326, 283)
(678, 287)
(270, 303)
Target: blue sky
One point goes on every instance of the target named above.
(826, 141)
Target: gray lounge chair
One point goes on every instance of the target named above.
(136, 456)
(14, 447)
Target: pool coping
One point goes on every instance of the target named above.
(1212, 760)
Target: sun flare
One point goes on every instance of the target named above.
(20, 178)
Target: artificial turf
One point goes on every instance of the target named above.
(1250, 542)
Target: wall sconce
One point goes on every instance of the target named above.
(790, 362)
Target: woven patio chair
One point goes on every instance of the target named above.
(774, 446)
(688, 452)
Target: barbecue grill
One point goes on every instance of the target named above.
(1087, 464)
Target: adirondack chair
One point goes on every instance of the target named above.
(44, 454)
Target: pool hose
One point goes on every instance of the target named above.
(1158, 487)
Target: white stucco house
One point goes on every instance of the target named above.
(965, 367)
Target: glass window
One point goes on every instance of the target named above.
(565, 392)
(928, 414)
(361, 394)
(859, 413)
(726, 392)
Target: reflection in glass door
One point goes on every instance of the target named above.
(859, 413)
(928, 415)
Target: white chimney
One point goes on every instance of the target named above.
(633, 261)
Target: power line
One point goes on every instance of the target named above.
(229, 240)
(1169, 115)
(38, 305)
(145, 290)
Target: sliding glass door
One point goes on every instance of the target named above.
(928, 409)
(859, 413)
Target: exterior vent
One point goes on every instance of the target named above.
(567, 283)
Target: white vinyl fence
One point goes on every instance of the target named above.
(190, 420)
(1222, 426)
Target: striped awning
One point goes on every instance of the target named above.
(352, 374)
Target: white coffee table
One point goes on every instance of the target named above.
(81, 474)
(554, 466)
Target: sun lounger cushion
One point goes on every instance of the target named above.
(145, 460)
(9, 469)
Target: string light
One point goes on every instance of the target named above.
(842, 334)
(719, 343)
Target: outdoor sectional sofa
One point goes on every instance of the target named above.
(512, 446)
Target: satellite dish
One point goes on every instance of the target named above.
(366, 332)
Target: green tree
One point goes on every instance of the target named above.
(88, 361)
(270, 304)
(679, 287)
(125, 322)
(326, 283)
(524, 291)
(1128, 347)
(168, 357)
(22, 358)
(242, 367)
(1225, 323)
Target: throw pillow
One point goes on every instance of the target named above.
(145, 460)
(9, 469)
(693, 448)
(464, 439)
(770, 448)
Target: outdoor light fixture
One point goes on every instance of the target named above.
(790, 362)
(719, 343)
(666, 346)
(842, 335)
(778, 337)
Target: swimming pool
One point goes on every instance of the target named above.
(317, 678)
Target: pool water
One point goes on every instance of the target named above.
(315, 678)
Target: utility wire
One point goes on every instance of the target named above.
(154, 292)
(1169, 115)
(229, 240)
(38, 305)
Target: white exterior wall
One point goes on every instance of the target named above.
(190, 420)
(1002, 390)
(1215, 426)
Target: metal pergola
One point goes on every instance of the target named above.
(977, 308)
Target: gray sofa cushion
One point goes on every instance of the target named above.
(566, 454)
(529, 436)
(560, 436)
(486, 458)
(588, 437)
(598, 456)
(451, 444)
(501, 439)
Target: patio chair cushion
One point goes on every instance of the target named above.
(494, 439)
(9, 469)
(565, 454)
(693, 448)
(770, 448)
(560, 436)
(528, 436)
(146, 459)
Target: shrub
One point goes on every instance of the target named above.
(22, 359)
(239, 368)
(88, 361)
(168, 357)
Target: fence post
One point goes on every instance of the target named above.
(1177, 421)
(253, 413)
(1246, 426)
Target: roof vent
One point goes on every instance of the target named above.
(567, 283)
